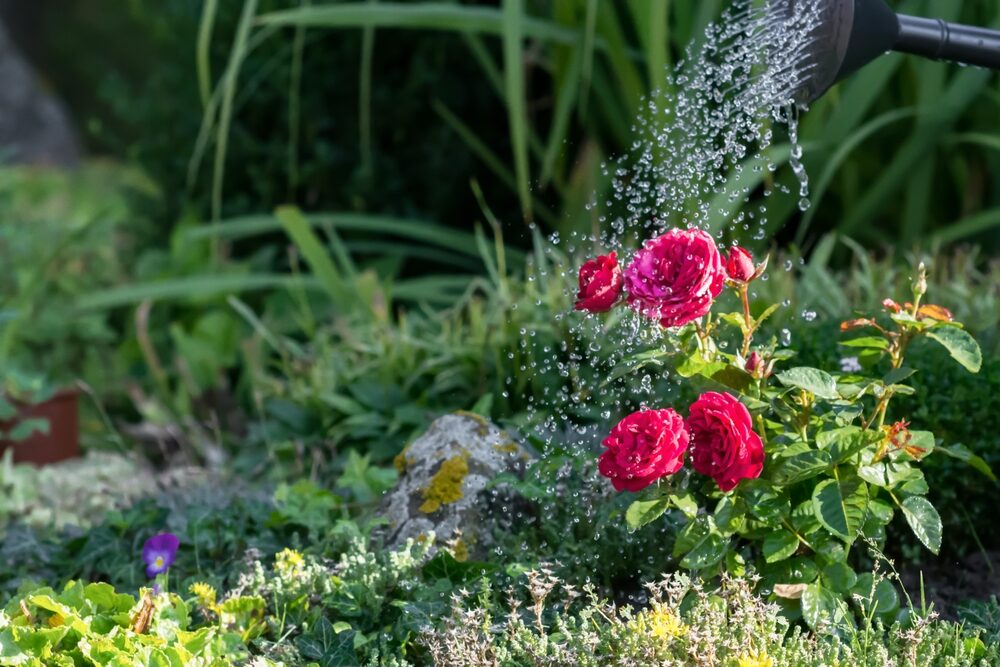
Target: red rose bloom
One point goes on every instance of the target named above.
(642, 448)
(600, 284)
(724, 445)
(739, 265)
(675, 277)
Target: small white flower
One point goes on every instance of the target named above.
(850, 365)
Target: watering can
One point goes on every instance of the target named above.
(852, 33)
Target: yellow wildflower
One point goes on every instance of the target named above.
(289, 562)
(659, 622)
(206, 595)
(760, 659)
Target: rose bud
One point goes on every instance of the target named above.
(891, 306)
(739, 265)
(600, 284)
(755, 365)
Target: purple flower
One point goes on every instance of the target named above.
(158, 553)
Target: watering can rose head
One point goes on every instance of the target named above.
(675, 277)
(600, 284)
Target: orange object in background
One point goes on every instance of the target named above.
(63, 439)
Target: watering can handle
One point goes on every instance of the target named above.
(941, 40)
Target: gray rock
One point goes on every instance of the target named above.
(34, 127)
(442, 476)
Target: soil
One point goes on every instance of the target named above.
(949, 582)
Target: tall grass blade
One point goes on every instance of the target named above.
(365, 99)
(517, 116)
(202, 52)
(237, 54)
(312, 250)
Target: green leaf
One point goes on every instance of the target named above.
(867, 342)
(963, 453)
(840, 505)
(824, 611)
(641, 512)
(764, 502)
(26, 428)
(729, 514)
(813, 380)
(779, 545)
(898, 375)
(792, 469)
(686, 503)
(701, 543)
(840, 577)
(880, 597)
(924, 521)
(843, 443)
(962, 347)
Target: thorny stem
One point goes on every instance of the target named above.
(748, 328)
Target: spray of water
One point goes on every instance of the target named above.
(708, 146)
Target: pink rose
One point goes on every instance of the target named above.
(740, 265)
(600, 284)
(642, 448)
(675, 277)
(724, 445)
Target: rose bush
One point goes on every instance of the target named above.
(790, 466)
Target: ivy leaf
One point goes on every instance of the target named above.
(779, 545)
(924, 521)
(840, 505)
(641, 512)
(813, 380)
(962, 347)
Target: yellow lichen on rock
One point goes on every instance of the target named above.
(446, 485)
(402, 462)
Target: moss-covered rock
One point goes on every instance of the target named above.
(442, 476)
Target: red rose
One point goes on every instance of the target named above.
(642, 448)
(739, 265)
(600, 284)
(675, 277)
(724, 445)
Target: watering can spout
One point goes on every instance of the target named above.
(849, 34)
